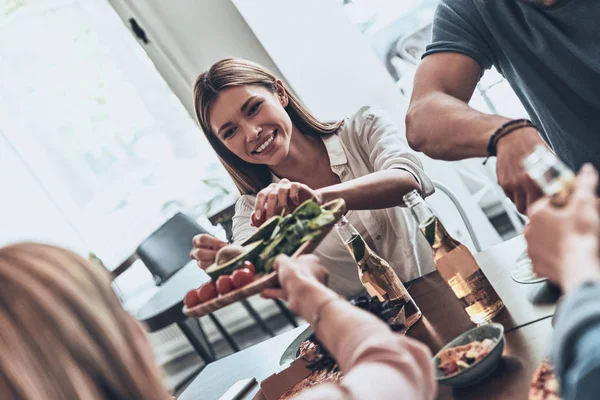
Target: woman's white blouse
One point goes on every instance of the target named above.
(367, 142)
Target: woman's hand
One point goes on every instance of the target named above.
(205, 249)
(563, 242)
(283, 196)
(297, 278)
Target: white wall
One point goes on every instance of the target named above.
(188, 36)
(325, 59)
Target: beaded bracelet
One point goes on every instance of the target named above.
(504, 130)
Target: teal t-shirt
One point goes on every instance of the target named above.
(550, 55)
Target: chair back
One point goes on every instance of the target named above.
(167, 250)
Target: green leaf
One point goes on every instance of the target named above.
(324, 219)
(287, 221)
(304, 224)
(269, 264)
(307, 210)
(275, 232)
(310, 236)
(270, 248)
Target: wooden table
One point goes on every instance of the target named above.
(444, 318)
(526, 320)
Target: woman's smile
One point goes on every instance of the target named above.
(266, 145)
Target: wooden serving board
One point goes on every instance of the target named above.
(261, 282)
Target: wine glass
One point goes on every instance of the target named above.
(523, 272)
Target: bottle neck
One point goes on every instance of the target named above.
(429, 224)
(346, 230)
(419, 208)
(352, 239)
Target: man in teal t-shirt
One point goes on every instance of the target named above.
(549, 51)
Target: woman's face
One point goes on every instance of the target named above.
(252, 122)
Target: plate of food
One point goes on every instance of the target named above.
(544, 385)
(306, 340)
(471, 357)
(242, 271)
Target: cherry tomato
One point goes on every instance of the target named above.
(250, 266)
(207, 292)
(242, 277)
(191, 298)
(225, 284)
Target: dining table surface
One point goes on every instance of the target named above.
(526, 317)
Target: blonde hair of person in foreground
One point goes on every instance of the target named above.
(63, 333)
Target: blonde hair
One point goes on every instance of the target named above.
(63, 333)
(229, 72)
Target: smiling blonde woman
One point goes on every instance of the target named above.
(279, 154)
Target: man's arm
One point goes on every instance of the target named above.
(439, 121)
(441, 124)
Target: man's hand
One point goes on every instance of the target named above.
(563, 242)
(512, 149)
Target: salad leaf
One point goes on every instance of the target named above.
(325, 218)
(303, 225)
(310, 236)
(307, 210)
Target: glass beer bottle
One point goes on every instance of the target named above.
(456, 264)
(555, 179)
(378, 277)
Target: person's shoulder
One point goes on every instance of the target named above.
(458, 12)
(365, 114)
(245, 205)
(461, 26)
(363, 121)
(460, 5)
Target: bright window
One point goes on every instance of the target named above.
(86, 109)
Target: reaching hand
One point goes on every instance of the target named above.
(563, 242)
(296, 275)
(283, 196)
(205, 249)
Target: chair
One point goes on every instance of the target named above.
(224, 218)
(168, 248)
